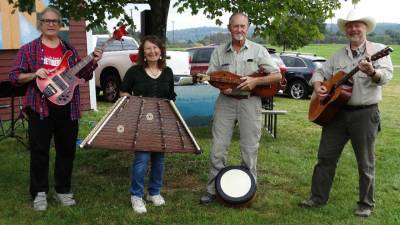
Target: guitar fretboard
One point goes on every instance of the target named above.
(225, 80)
(78, 67)
(376, 56)
(71, 73)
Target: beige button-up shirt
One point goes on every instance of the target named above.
(245, 62)
(365, 90)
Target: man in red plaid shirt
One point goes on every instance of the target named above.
(36, 60)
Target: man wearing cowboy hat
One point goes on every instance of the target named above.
(359, 120)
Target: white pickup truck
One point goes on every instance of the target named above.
(119, 56)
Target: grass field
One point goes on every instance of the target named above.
(326, 51)
(101, 178)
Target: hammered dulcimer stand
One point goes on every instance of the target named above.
(142, 124)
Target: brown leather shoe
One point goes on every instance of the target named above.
(309, 203)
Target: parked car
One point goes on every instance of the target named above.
(200, 58)
(300, 67)
(114, 63)
(119, 56)
(178, 61)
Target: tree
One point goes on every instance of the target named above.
(97, 11)
(296, 32)
(295, 21)
(288, 23)
(100, 30)
(395, 35)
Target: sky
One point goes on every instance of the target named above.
(384, 11)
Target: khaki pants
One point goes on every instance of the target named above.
(228, 110)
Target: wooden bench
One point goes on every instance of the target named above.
(271, 120)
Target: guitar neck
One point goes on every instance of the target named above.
(85, 61)
(233, 80)
(376, 56)
(78, 67)
(226, 80)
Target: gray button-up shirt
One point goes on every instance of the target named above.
(245, 62)
(365, 90)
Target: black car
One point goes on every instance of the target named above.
(299, 70)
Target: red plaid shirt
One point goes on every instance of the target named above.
(29, 59)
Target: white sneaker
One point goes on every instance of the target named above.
(65, 199)
(157, 200)
(40, 202)
(138, 204)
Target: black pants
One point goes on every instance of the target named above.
(361, 128)
(65, 131)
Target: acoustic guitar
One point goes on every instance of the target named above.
(225, 80)
(60, 83)
(339, 89)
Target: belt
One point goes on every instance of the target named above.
(239, 97)
(357, 107)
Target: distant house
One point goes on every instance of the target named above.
(20, 28)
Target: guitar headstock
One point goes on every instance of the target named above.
(382, 53)
(119, 32)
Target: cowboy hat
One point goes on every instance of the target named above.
(355, 16)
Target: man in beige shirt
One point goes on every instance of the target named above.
(242, 57)
(359, 120)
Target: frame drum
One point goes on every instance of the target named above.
(235, 185)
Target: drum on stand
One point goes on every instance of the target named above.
(235, 186)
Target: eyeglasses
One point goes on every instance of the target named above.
(48, 21)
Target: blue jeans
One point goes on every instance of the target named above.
(139, 168)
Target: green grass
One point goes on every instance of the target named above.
(101, 178)
(325, 50)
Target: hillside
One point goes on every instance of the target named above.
(195, 34)
(198, 33)
(380, 27)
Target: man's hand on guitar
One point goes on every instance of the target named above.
(366, 67)
(98, 53)
(248, 83)
(41, 73)
(320, 90)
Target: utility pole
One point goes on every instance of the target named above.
(132, 27)
(173, 32)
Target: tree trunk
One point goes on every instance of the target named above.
(159, 16)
